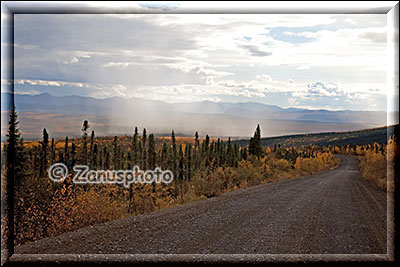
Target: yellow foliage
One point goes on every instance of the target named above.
(373, 167)
(55, 209)
(266, 169)
(60, 145)
(282, 164)
(297, 165)
(377, 165)
(358, 150)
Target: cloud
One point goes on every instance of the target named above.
(320, 89)
(375, 37)
(99, 33)
(49, 83)
(255, 51)
(356, 35)
(264, 77)
(349, 20)
(28, 92)
(303, 67)
(161, 6)
(201, 56)
(91, 89)
(329, 95)
(290, 33)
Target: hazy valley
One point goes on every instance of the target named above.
(62, 116)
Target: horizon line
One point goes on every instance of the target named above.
(201, 101)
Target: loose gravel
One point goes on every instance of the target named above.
(333, 212)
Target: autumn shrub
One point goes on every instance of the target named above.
(282, 165)
(266, 170)
(373, 166)
(100, 203)
(304, 164)
(391, 150)
(249, 173)
(211, 185)
(321, 161)
(376, 162)
(44, 212)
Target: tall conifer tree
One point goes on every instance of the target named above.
(85, 128)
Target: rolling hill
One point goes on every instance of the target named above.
(362, 137)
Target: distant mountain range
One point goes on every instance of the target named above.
(63, 116)
(263, 111)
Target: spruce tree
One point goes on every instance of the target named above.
(223, 154)
(196, 150)
(139, 153)
(144, 150)
(36, 159)
(236, 155)
(207, 142)
(229, 156)
(212, 149)
(174, 154)
(14, 150)
(15, 161)
(135, 147)
(164, 156)
(121, 158)
(44, 143)
(85, 128)
(244, 153)
(188, 155)
(91, 147)
(257, 142)
(129, 161)
(217, 150)
(53, 151)
(196, 140)
(181, 163)
(115, 152)
(93, 161)
(251, 146)
(255, 147)
(60, 156)
(106, 158)
(151, 153)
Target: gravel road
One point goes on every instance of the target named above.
(333, 212)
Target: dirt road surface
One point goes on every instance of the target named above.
(333, 212)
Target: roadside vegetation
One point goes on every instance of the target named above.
(376, 161)
(202, 167)
(375, 149)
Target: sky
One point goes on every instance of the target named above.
(316, 61)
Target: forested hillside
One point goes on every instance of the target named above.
(354, 138)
